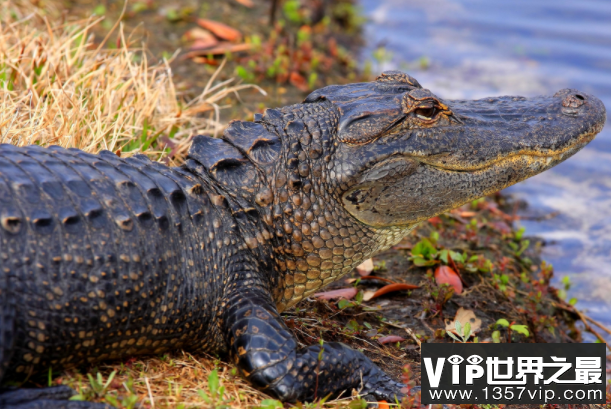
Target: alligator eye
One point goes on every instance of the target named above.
(475, 359)
(426, 113)
(455, 359)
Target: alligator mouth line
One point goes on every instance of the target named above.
(578, 144)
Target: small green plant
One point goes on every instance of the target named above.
(519, 246)
(127, 402)
(216, 396)
(98, 386)
(424, 253)
(358, 300)
(463, 332)
(270, 404)
(562, 293)
(519, 328)
(291, 9)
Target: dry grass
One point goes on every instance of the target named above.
(179, 380)
(57, 87)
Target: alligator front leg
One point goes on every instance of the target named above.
(266, 353)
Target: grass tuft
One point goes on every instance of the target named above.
(58, 87)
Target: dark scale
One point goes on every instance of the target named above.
(105, 258)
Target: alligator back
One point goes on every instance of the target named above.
(98, 255)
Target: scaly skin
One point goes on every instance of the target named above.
(104, 258)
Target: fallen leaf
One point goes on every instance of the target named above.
(205, 60)
(445, 275)
(463, 316)
(246, 3)
(365, 268)
(221, 48)
(368, 295)
(352, 280)
(346, 293)
(198, 45)
(390, 339)
(197, 33)
(298, 81)
(435, 220)
(222, 31)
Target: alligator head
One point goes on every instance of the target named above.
(355, 167)
(409, 155)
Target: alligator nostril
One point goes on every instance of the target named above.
(573, 101)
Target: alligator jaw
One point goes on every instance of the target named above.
(527, 155)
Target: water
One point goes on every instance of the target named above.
(478, 48)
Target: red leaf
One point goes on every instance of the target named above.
(346, 293)
(222, 31)
(246, 3)
(435, 220)
(382, 404)
(205, 60)
(389, 339)
(298, 81)
(388, 289)
(445, 275)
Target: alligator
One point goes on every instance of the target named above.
(104, 257)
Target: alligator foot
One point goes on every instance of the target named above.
(56, 397)
(266, 353)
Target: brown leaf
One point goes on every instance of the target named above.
(220, 49)
(445, 275)
(368, 295)
(298, 81)
(390, 339)
(365, 268)
(346, 293)
(246, 3)
(222, 31)
(463, 316)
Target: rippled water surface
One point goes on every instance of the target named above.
(478, 48)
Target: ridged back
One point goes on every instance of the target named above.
(108, 257)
